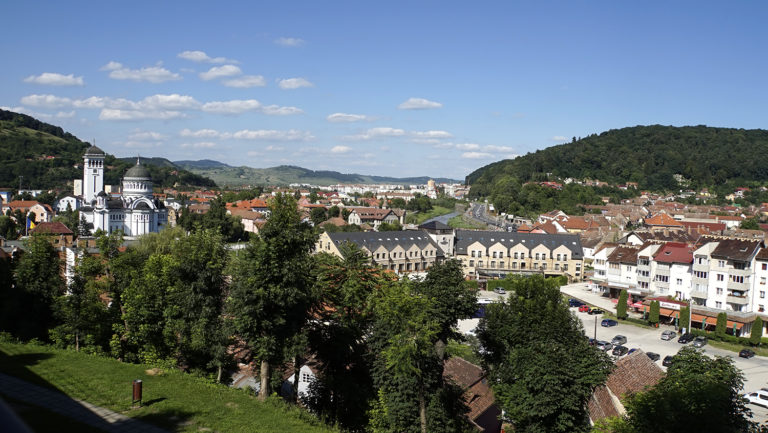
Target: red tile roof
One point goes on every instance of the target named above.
(662, 219)
(55, 228)
(674, 252)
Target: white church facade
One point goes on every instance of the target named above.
(136, 212)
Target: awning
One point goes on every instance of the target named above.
(668, 312)
(712, 321)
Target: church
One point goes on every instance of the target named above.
(135, 211)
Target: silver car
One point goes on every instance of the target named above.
(667, 335)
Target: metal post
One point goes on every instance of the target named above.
(137, 392)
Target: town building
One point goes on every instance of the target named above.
(136, 212)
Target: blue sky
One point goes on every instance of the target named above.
(393, 88)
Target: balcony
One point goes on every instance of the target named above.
(740, 272)
(700, 292)
(743, 287)
(738, 300)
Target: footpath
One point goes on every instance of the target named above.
(78, 410)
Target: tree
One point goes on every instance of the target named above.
(318, 215)
(533, 345)
(271, 292)
(653, 316)
(755, 337)
(344, 388)
(390, 227)
(721, 325)
(698, 393)
(750, 224)
(685, 318)
(621, 306)
(397, 203)
(39, 282)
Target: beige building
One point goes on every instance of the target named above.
(372, 216)
(399, 251)
(496, 254)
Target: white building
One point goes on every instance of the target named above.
(136, 212)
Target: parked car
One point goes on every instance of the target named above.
(632, 350)
(685, 338)
(620, 351)
(746, 353)
(595, 310)
(583, 308)
(500, 291)
(619, 339)
(653, 355)
(604, 345)
(592, 341)
(608, 322)
(573, 302)
(667, 335)
(759, 397)
(667, 360)
(700, 341)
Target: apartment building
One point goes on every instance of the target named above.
(399, 251)
(496, 254)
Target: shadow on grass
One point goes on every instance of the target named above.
(153, 401)
(169, 419)
(16, 365)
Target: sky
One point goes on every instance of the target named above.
(414, 88)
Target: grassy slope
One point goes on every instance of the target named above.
(176, 401)
(461, 222)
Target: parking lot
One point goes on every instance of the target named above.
(649, 340)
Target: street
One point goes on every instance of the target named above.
(649, 340)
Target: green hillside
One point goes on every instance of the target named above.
(224, 174)
(648, 155)
(47, 157)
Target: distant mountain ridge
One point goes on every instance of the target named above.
(654, 156)
(225, 174)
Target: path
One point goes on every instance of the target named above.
(78, 410)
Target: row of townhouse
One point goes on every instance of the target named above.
(496, 254)
(713, 275)
(483, 254)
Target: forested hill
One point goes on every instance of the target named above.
(48, 157)
(648, 155)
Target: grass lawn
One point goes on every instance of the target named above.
(735, 347)
(460, 222)
(174, 400)
(420, 217)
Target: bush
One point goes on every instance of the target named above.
(621, 306)
(653, 316)
(757, 332)
(722, 323)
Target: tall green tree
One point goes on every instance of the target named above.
(755, 337)
(271, 293)
(697, 394)
(653, 315)
(685, 318)
(343, 391)
(534, 345)
(39, 282)
(721, 325)
(621, 306)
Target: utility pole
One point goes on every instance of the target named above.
(20, 177)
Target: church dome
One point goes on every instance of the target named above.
(94, 151)
(137, 172)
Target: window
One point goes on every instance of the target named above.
(537, 256)
(762, 280)
(557, 266)
(473, 253)
(762, 294)
(720, 277)
(471, 263)
(544, 266)
(493, 263)
(479, 263)
(501, 265)
(679, 281)
(514, 265)
(737, 279)
(535, 266)
(721, 263)
(719, 291)
(565, 256)
(558, 257)
(629, 268)
(305, 377)
(765, 266)
(515, 255)
(700, 274)
(739, 265)
(565, 267)
(718, 304)
(761, 308)
(662, 278)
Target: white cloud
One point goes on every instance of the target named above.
(204, 133)
(345, 117)
(55, 79)
(467, 146)
(46, 101)
(246, 81)
(289, 42)
(65, 114)
(341, 149)
(273, 148)
(105, 102)
(152, 74)
(276, 110)
(220, 72)
(202, 57)
(200, 145)
(231, 107)
(169, 102)
(475, 155)
(271, 134)
(559, 138)
(382, 131)
(293, 83)
(138, 144)
(418, 104)
(498, 149)
(432, 134)
(146, 135)
(115, 114)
